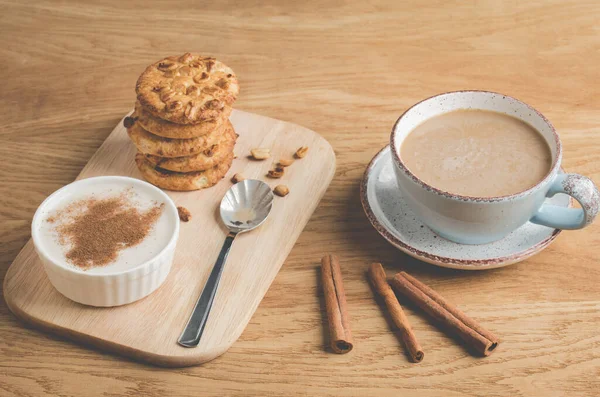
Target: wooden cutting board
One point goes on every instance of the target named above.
(148, 329)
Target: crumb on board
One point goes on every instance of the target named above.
(184, 214)
(281, 190)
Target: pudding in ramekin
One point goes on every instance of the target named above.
(106, 241)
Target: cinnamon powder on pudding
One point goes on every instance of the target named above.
(97, 229)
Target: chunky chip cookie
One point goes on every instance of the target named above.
(148, 143)
(181, 181)
(187, 89)
(168, 129)
(207, 159)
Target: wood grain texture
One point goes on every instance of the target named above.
(251, 266)
(347, 70)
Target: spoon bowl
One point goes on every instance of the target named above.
(246, 205)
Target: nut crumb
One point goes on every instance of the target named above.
(281, 190)
(128, 122)
(277, 172)
(211, 150)
(301, 152)
(237, 178)
(184, 214)
(285, 162)
(260, 153)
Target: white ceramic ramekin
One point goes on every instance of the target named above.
(107, 288)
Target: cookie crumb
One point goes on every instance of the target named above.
(237, 178)
(184, 214)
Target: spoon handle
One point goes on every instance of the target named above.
(195, 325)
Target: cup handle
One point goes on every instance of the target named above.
(581, 189)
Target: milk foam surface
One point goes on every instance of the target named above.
(477, 153)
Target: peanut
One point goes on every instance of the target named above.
(260, 153)
(301, 152)
(184, 214)
(281, 190)
(285, 162)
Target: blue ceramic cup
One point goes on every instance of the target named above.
(480, 220)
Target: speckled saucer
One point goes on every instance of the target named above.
(388, 213)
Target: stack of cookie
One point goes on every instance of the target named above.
(180, 125)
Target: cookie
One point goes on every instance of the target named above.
(170, 180)
(187, 89)
(148, 143)
(168, 129)
(205, 160)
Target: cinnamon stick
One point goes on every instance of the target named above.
(335, 302)
(380, 284)
(475, 336)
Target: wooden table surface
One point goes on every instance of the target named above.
(346, 70)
